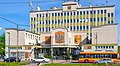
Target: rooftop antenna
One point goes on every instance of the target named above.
(78, 1)
(106, 2)
(89, 2)
(31, 7)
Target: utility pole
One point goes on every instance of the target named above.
(17, 44)
(96, 40)
(9, 48)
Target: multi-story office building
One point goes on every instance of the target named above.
(72, 16)
(76, 19)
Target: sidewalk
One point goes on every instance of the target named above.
(64, 61)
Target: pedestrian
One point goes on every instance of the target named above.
(39, 64)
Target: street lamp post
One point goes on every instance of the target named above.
(9, 48)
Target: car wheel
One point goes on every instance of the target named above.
(86, 61)
(96, 62)
(33, 61)
(44, 61)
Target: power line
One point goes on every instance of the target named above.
(23, 2)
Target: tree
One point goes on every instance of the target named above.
(2, 44)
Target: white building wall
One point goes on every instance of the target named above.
(105, 34)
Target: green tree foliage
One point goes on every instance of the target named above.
(2, 44)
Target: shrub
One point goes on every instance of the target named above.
(47, 56)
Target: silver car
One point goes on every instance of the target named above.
(104, 61)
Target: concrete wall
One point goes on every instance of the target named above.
(105, 34)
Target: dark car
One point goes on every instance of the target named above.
(12, 59)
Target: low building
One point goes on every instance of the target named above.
(26, 42)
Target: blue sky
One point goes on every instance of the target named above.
(18, 12)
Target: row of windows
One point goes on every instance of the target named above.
(98, 56)
(104, 47)
(74, 20)
(71, 28)
(31, 36)
(72, 13)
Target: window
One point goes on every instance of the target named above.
(31, 19)
(98, 11)
(71, 28)
(40, 15)
(107, 47)
(46, 22)
(55, 14)
(94, 12)
(58, 21)
(80, 12)
(77, 20)
(111, 14)
(108, 14)
(105, 19)
(74, 20)
(37, 15)
(64, 21)
(67, 13)
(101, 19)
(83, 27)
(42, 29)
(105, 11)
(61, 14)
(101, 11)
(112, 47)
(71, 13)
(112, 21)
(68, 21)
(37, 29)
(108, 22)
(58, 14)
(52, 21)
(71, 20)
(87, 27)
(52, 14)
(46, 29)
(90, 19)
(34, 19)
(74, 27)
(87, 12)
(74, 13)
(91, 12)
(77, 27)
(83, 12)
(98, 19)
(64, 13)
(77, 13)
(80, 27)
(94, 19)
(46, 15)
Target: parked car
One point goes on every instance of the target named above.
(40, 59)
(104, 61)
(12, 59)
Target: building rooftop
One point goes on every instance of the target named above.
(71, 4)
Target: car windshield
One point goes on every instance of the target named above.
(40, 58)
